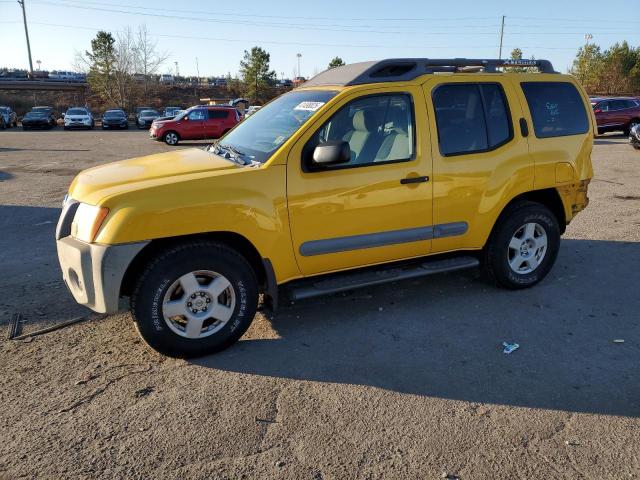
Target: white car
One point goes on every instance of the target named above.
(78, 117)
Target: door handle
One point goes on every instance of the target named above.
(409, 180)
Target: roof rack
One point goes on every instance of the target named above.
(405, 69)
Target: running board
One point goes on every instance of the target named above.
(340, 282)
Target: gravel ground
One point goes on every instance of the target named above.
(404, 381)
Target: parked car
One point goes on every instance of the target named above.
(115, 118)
(297, 81)
(333, 187)
(197, 123)
(14, 75)
(171, 111)
(146, 118)
(139, 110)
(634, 136)
(167, 79)
(62, 76)
(616, 113)
(251, 110)
(39, 117)
(78, 117)
(9, 117)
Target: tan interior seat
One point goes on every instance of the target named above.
(363, 126)
(395, 145)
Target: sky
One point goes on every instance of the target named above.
(210, 37)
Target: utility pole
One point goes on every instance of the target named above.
(501, 37)
(584, 72)
(197, 80)
(26, 32)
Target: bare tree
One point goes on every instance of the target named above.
(148, 59)
(124, 68)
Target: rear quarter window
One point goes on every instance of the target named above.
(557, 109)
(218, 114)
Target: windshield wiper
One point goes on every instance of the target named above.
(231, 153)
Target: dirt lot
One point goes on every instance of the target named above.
(399, 381)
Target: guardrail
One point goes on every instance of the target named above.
(52, 85)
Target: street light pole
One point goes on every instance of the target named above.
(26, 32)
(299, 55)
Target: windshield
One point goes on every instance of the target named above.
(4, 109)
(36, 114)
(114, 114)
(76, 111)
(259, 136)
(149, 113)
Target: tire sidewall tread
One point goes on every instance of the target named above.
(495, 263)
(166, 268)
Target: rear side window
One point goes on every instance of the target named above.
(471, 117)
(218, 114)
(556, 108)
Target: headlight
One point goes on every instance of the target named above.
(87, 221)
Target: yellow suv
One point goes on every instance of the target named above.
(369, 173)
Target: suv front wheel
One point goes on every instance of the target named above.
(171, 138)
(523, 247)
(195, 299)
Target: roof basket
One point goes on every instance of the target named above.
(405, 69)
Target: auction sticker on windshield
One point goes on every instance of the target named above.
(309, 106)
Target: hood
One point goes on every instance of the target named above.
(94, 184)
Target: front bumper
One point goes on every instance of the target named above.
(93, 273)
(36, 124)
(114, 125)
(77, 123)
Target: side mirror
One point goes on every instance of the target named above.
(332, 152)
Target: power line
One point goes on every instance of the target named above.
(291, 17)
(305, 44)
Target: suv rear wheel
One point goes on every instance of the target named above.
(195, 299)
(171, 138)
(523, 247)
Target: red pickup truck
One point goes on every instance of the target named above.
(616, 113)
(197, 123)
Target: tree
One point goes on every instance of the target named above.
(255, 73)
(621, 69)
(147, 58)
(336, 62)
(587, 66)
(101, 62)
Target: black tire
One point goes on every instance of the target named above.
(495, 256)
(168, 138)
(165, 269)
(25, 128)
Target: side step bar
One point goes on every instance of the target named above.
(340, 282)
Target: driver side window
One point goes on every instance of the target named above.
(196, 114)
(378, 129)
